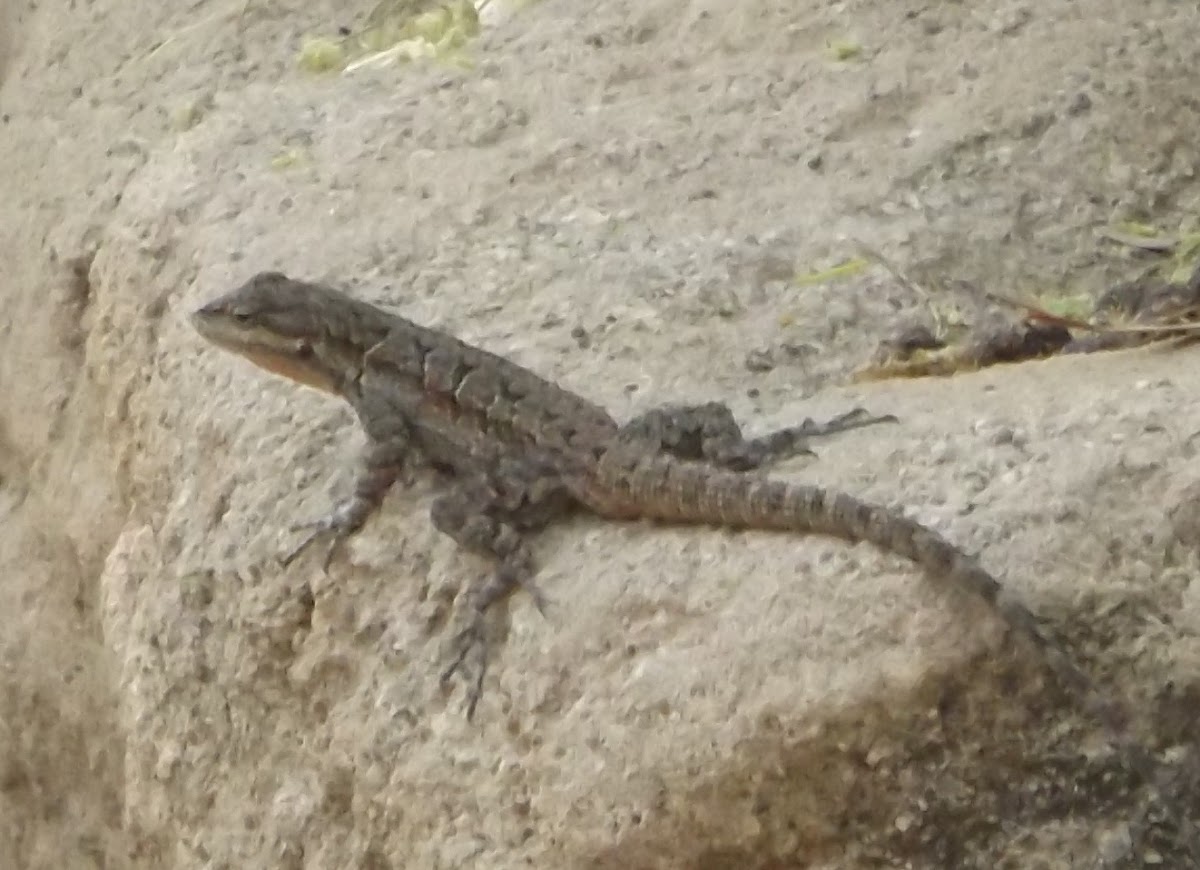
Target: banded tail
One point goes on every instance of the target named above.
(630, 485)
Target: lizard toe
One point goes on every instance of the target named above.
(473, 638)
(337, 524)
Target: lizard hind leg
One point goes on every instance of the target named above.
(711, 433)
(492, 516)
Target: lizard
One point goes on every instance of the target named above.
(516, 451)
(519, 451)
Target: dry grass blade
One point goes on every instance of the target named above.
(237, 9)
(1036, 312)
(1157, 244)
(1040, 314)
(908, 283)
(878, 257)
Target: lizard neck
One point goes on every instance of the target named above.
(342, 342)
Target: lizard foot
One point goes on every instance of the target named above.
(709, 432)
(342, 523)
(318, 529)
(474, 638)
(855, 418)
(471, 638)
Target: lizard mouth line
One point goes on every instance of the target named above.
(293, 360)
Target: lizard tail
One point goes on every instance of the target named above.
(656, 487)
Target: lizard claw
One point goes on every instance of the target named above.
(540, 601)
(343, 521)
(793, 442)
(472, 637)
(334, 523)
(855, 418)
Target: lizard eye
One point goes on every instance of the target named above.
(304, 350)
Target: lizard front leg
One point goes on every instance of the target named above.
(711, 433)
(492, 516)
(381, 465)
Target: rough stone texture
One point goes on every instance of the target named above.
(612, 196)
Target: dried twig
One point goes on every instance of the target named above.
(1041, 314)
(1157, 244)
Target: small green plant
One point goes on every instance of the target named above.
(396, 31)
(845, 269)
(843, 50)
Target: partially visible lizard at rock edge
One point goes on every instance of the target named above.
(519, 451)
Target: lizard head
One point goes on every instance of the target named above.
(306, 332)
